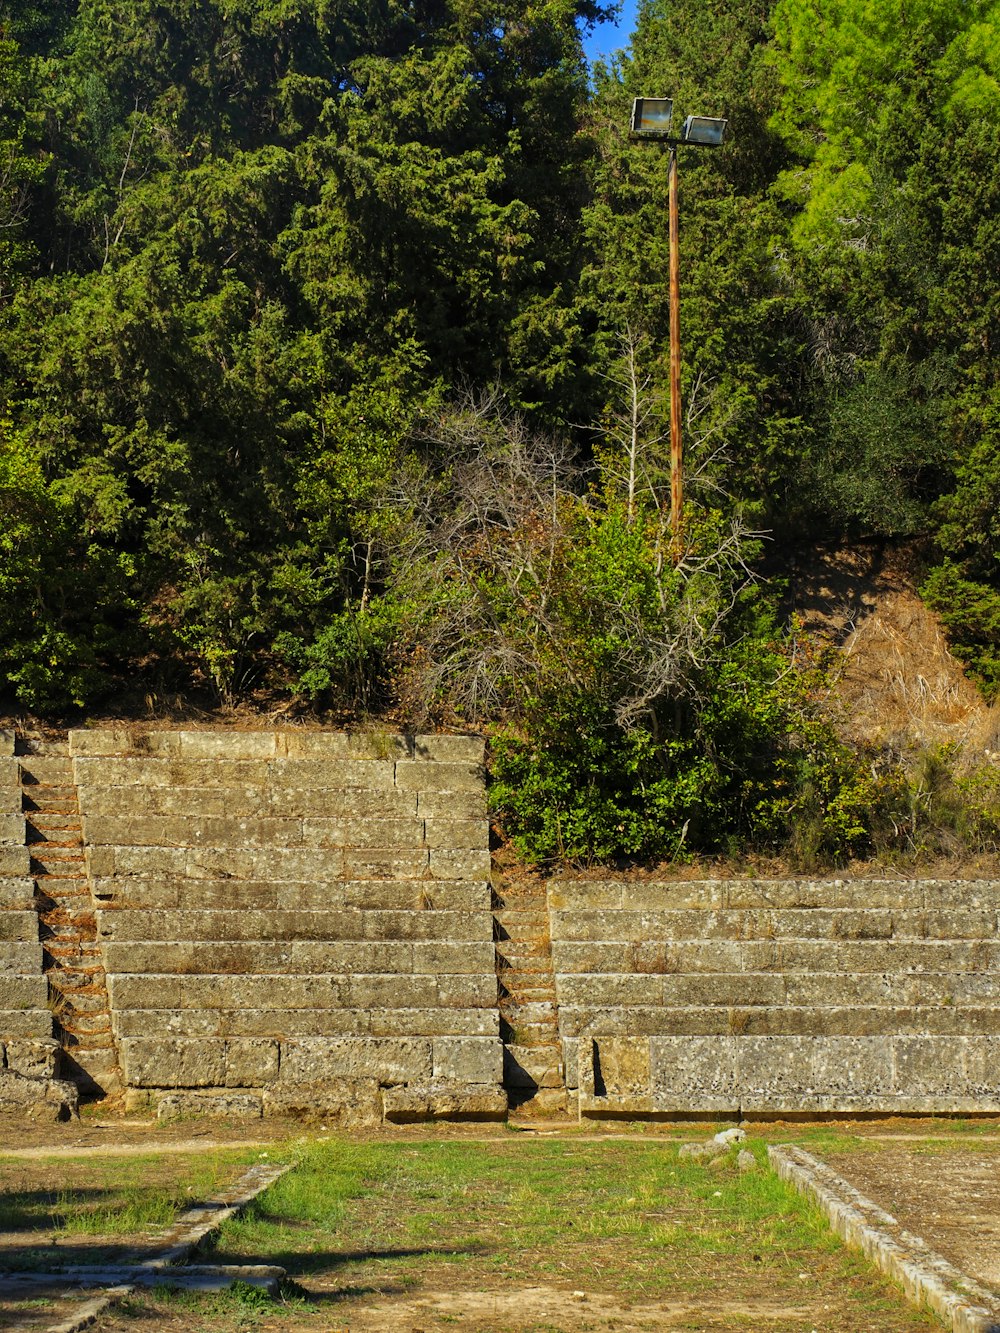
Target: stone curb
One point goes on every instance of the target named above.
(925, 1276)
(180, 1241)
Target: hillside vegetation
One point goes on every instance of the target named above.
(333, 375)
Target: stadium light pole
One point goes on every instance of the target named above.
(651, 120)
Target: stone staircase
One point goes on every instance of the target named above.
(533, 1064)
(78, 992)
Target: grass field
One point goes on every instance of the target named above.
(501, 1231)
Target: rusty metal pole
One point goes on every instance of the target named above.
(676, 444)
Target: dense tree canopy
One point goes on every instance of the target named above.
(286, 286)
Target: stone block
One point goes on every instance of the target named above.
(460, 864)
(725, 988)
(156, 861)
(364, 833)
(450, 749)
(144, 992)
(10, 772)
(532, 1066)
(695, 1070)
(167, 772)
(468, 1059)
(17, 894)
(388, 863)
(601, 991)
(18, 926)
(434, 1022)
(387, 991)
(359, 745)
(171, 831)
(6, 740)
(411, 1105)
(23, 992)
(25, 1023)
(458, 835)
(344, 1104)
(250, 1062)
(419, 775)
(930, 1066)
(12, 830)
(146, 926)
(230, 744)
(387, 1060)
(174, 801)
(782, 893)
(262, 992)
(904, 895)
(478, 991)
(173, 1062)
(814, 989)
(615, 1066)
(279, 1024)
(674, 896)
(471, 957)
(21, 958)
(451, 804)
(11, 801)
(34, 1057)
(395, 956)
(15, 862)
(381, 895)
(219, 1104)
(789, 1072)
(583, 895)
(37, 1099)
(432, 924)
(968, 893)
(981, 1057)
(332, 802)
(371, 775)
(957, 924)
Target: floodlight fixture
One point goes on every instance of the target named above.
(706, 130)
(651, 116)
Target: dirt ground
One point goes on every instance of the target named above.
(945, 1193)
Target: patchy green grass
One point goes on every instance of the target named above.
(110, 1196)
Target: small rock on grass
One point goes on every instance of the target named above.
(746, 1161)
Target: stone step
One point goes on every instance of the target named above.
(55, 820)
(52, 770)
(49, 800)
(534, 1036)
(532, 1066)
(545, 1102)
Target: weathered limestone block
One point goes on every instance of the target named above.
(33, 1057)
(15, 862)
(123, 924)
(332, 802)
(411, 1105)
(458, 835)
(228, 744)
(165, 1062)
(398, 832)
(12, 830)
(460, 864)
(372, 775)
(343, 1104)
(452, 804)
(787, 1073)
(21, 958)
(388, 1060)
(418, 775)
(428, 925)
(191, 831)
(358, 745)
(25, 1023)
(450, 749)
(18, 992)
(250, 1062)
(166, 772)
(37, 1098)
(471, 957)
(279, 1024)
(16, 894)
(468, 1059)
(467, 992)
(218, 1103)
(386, 991)
(434, 1022)
(386, 863)
(19, 926)
(598, 990)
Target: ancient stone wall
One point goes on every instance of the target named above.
(779, 997)
(27, 1047)
(295, 919)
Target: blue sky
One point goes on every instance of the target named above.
(608, 37)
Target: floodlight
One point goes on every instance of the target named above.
(704, 130)
(651, 115)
